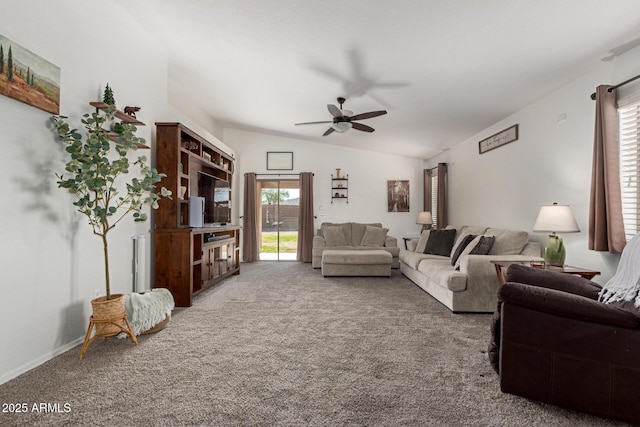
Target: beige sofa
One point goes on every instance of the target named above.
(353, 236)
(471, 284)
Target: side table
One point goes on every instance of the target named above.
(408, 237)
(567, 269)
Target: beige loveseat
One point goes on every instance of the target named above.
(353, 236)
(470, 284)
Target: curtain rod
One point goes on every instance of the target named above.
(593, 95)
(436, 167)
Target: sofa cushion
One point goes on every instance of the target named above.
(334, 235)
(508, 242)
(357, 232)
(374, 236)
(370, 257)
(413, 259)
(346, 229)
(552, 279)
(441, 272)
(336, 248)
(422, 242)
(462, 244)
(440, 242)
(393, 250)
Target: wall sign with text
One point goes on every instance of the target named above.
(499, 139)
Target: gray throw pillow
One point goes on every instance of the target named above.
(374, 236)
(484, 245)
(440, 242)
(334, 236)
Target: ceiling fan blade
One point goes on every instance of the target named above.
(329, 131)
(368, 115)
(313, 123)
(335, 111)
(362, 127)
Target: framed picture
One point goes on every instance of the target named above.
(398, 196)
(28, 78)
(499, 139)
(280, 160)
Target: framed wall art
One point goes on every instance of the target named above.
(280, 160)
(398, 196)
(28, 78)
(499, 139)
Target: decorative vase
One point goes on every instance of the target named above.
(338, 172)
(109, 315)
(554, 251)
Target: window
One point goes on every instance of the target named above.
(435, 194)
(434, 198)
(629, 140)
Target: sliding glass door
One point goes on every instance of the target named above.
(280, 205)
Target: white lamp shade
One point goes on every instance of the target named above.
(556, 219)
(424, 218)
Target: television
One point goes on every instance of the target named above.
(217, 199)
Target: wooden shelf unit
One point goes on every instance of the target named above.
(190, 260)
(180, 154)
(187, 262)
(340, 188)
(122, 116)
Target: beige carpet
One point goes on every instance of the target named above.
(281, 345)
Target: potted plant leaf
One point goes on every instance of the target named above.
(97, 175)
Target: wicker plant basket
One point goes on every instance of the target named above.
(109, 315)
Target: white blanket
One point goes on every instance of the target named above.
(144, 311)
(625, 284)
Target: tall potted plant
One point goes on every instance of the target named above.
(97, 171)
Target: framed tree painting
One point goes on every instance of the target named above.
(398, 196)
(28, 78)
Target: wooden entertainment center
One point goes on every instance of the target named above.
(189, 260)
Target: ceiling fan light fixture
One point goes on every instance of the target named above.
(342, 127)
(344, 120)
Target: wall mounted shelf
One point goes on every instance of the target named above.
(122, 116)
(340, 188)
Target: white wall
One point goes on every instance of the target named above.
(51, 263)
(550, 162)
(368, 174)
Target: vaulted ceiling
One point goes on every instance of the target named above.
(443, 69)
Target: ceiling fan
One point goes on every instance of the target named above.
(343, 120)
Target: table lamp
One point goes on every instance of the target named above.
(425, 219)
(555, 219)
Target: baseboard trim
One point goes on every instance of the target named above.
(40, 360)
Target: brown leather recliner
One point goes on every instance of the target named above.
(553, 341)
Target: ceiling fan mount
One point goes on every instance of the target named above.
(343, 120)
